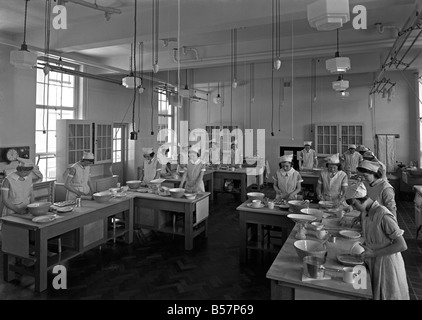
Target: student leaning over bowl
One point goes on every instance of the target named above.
(383, 245)
(287, 181)
(194, 173)
(78, 179)
(332, 182)
(378, 188)
(17, 190)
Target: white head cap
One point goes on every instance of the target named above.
(286, 158)
(369, 165)
(307, 143)
(355, 191)
(334, 159)
(352, 146)
(147, 150)
(194, 148)
(88, 156)
(26, 163)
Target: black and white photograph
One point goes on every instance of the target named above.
(213, 157)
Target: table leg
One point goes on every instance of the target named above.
(41, 261)
(243, 238)
(188, 226)
(243, 188)
(8, 275)
(129, 220)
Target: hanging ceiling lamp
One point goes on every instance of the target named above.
(217, 99)
(155, 31)
(326, 15)
(341, 85)
(234, 58)
(276, 34)
(132, 81)
(23, 58)
(338, 64)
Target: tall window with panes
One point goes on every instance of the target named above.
(167, 119)
(56, 98)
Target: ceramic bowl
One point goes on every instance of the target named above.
(133, 184)
(39, 208)
(316, 226)
(102, 196)
(190, 196)
(255, 195)
(177, 192)
(297, 205)
(310, 248)
(314, 212)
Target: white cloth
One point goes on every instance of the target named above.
(79, 180)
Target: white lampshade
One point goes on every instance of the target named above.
(23, 59)
(325, 15)
(340, 85)
(338, 64)
(131, 82)
(277, 63)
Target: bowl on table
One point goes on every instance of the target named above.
(314, 212)
(39, 208)
(297, 205)
(255, 196)
(177, 192)
(327, 204)
(314, 248)
(103, 196)
(316, 226)
(133, 184)
(301, 218)
(190, 196)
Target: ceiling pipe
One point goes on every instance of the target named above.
(107, 10)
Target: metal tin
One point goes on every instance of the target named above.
(78, 202)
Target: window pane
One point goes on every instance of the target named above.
(67, 96)
(51, 135)
(40, 141)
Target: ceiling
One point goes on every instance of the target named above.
(197, 33)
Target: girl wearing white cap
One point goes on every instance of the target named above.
(383, 245)
(151, 166)
(307, 157)
(78, 180)
(16, 189)
(370, 156)
(333, 182)
(193, 175)
(379, 189)
(287, 182)
(350, 159)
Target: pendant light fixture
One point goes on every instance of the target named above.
(234, 58)
(276, 32)
(132, 81)
(217, 99)
(23, 58)
(326, 15)
(338, 64)
(141, 59)
(155, 32)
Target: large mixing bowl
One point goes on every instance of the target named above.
(177, 192)
(297, 205)
(255, 195)
(39, 208)
(102, 196)
(310, 248)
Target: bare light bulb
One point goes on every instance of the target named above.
(46, 70)
(234, 84)
(277, 63)
(156, 67)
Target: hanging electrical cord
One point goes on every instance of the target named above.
(135, 87)
(292, 81)
(313, 89)
(46, 69)
(280, 102)
(152, 103)
(251, 91)
(155, 31)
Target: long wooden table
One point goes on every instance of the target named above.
(88, 225)
(287, 269)
(164, 209)
(250, 219)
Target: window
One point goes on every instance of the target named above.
(117, 145)
(167, 119)
(331, 138)
(56, 98)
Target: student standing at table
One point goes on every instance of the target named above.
(287, 182)
(307, 157)
(151, 166)
(333, 182)
(350, 160)
(194, 173)
(383, 245)
(78, 178)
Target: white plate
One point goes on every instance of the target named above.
(142, 190)
(64, 209)
(260, 206)
(350, 234)
(349, 260)
(300, 218)
(44, 219)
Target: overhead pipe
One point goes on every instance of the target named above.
(107, 10)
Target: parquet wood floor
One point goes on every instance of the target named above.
(160, 269)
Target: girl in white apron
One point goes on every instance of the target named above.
(194, 174)
(78, 180)
(333, 182)
(152, 166)
(287, 182)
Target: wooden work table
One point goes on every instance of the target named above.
(286, 271)
(87, 226)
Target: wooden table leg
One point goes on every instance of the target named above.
(188, 226)
(243, 183)
(243, 238)
(41, 261)
(8, 275)
(128, 216)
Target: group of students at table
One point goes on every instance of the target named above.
(373, 196)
